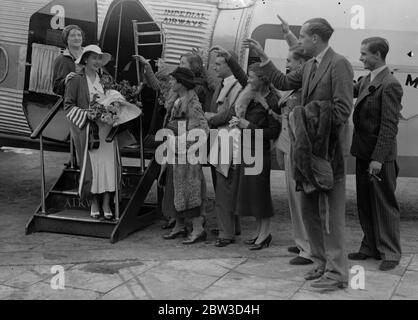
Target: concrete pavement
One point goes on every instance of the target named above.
(144, 266)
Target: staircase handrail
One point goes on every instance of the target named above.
(46, 120)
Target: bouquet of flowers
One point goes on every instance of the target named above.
(165, 87)
(163, 76)
(130, 93)
(112, 108)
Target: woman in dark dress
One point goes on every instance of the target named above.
(252, 111)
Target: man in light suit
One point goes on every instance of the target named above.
(326, 78)
(224, 97)
(376, 118)
(290, 99)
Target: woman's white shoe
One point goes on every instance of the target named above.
(108, 215)
(94, 215)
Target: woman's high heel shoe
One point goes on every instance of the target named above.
(176, 234)
(194, 239)
(108, 215)
(94, 215)
(262, 245)
(169, 224)
(250, 242)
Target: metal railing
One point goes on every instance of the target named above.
(140, 68)
(38, 133)
(111, 138)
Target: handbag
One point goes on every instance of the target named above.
(94, 138)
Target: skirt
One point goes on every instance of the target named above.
(103, 163)
(253, 194)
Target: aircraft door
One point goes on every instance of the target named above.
(117, 38)
(44, 45)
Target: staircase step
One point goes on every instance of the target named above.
(126, 171)
(67, 184)
(72, 192)
(72, 170)
(74, 222)
(63, 200)
(76, 215)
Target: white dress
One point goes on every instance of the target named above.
(103, 162)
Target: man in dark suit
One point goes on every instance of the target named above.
(326, 78)
(376, 117)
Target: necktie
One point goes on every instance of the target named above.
(220, 90)
(368, 79)
(314, 68)
(214, 104)
(366, 82)
(313, 72)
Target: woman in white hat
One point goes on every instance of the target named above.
(97, 160)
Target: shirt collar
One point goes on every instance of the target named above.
(95, 86)
(229, 80)
(67, 53)
(321, 55)
(374, 73)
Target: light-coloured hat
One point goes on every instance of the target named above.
(127, 111)
(96, 49)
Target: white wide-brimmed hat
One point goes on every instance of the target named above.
(96, 49)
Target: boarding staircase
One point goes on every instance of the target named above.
(61, 209)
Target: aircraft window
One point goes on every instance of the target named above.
(4, 64)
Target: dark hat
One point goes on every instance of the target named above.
(67, 30)
(185, 77)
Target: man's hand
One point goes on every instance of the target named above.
(221, 51)
(285, 25)
(375, 167)
(256, 48)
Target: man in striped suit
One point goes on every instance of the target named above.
(376, 117)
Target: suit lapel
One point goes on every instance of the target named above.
(376, 83)
(86, 90)
(306, 75)
(322, 68)
(285, 97)
(215, 96)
